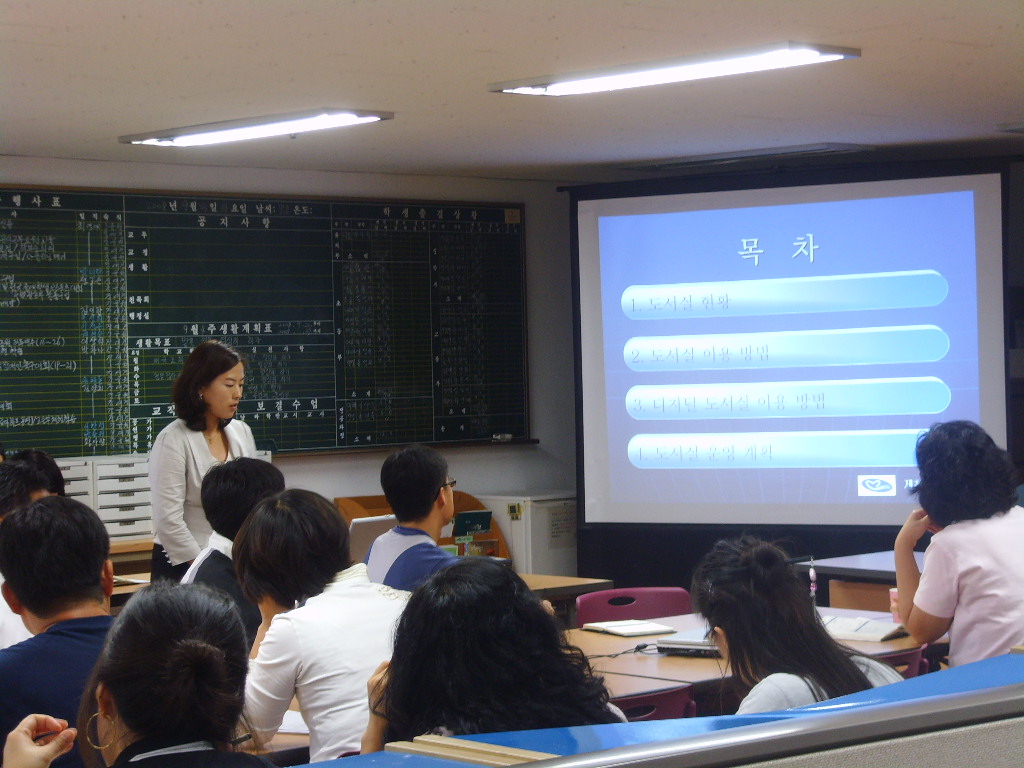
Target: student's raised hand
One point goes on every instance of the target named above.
(23, 751)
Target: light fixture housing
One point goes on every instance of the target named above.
(287, 124)
(777, 56)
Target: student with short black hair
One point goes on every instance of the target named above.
(417, 486)
(169, 686)
(58, 578)
(972, 585)
(325, 627)
(229, 493)
(768, 631)
(45, 463)
(20, 484)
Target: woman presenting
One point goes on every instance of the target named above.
(206, 396)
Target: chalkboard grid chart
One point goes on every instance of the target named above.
(363, 324)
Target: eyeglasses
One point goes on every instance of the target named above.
(449, 484)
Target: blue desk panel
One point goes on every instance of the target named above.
(991, 673)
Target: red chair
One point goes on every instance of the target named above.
(661, 705)
(912, 661)
(632, 603)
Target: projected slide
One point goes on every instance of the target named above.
(781, 354)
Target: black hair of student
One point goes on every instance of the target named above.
(44, 462)
(749, 589)
(411, 478)
(204, 364)
(52, 554)
(964, 474)
(476, 651)
(18, 481)
(290, 547)
(230, 491)
(175, 662)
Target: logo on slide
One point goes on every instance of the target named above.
(876, 485)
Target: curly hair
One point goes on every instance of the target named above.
(204, 364)
(476, 652)
(964, 474)
(749, 589)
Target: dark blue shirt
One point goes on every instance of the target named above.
(48, 672)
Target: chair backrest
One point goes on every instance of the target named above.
(632, 603)
(910, 662)
(660, 705)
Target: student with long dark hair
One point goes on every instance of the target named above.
(768, 632)
(476, 652)
(169, 687)
(324, 628)
(206, 396)
(973, 580)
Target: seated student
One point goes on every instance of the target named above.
(477, 652)
(325, 626)
(20, 484)
(168, 688)
(416, 484)
(45, 463)
(973, 580)
(228, 493)
(769, 633)
(53, 555)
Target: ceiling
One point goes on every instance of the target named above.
(74, 75)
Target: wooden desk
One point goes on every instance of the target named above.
(873, 566)
(705, 674)
(858, 581)
(562, 591)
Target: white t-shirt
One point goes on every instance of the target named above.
(323, 653)
(784, 691)
(974, 573)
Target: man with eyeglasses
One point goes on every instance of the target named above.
(418, 489)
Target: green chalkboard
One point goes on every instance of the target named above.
(363, 323)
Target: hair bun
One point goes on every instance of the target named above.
(204, 663)
(767, 563)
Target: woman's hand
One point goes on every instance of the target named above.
(373, 736)
(917, 524)
(23, 750)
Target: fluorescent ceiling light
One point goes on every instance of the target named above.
(776, 56)
(255, 128)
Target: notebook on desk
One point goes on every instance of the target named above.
(690, 642)
(364, 531)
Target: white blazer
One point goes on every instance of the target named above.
(178, 462)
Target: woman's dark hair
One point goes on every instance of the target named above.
(45, 463)
(748, 589)
(205, 363)
(174, 662)
(964, 474)
(476, 651)
(290, 547)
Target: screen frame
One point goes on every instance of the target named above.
(766, 179)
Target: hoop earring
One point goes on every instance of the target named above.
(89, 730)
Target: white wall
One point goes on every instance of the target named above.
(498, 469)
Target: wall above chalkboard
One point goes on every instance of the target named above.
(363, 323)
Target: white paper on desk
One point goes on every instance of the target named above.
(293, 723)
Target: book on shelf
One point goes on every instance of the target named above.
(628, 627)
(858, 628)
